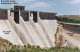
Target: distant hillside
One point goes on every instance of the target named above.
(75, 17)
(69, 18)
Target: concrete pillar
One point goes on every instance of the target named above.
(8, 13)
(19, 16)
(29, 14)
(19, 13)
(38, 16)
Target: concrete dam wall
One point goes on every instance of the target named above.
(22, 27)
(28, 27)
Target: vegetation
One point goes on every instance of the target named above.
(68, 19)
(6, 46)
(33, 48)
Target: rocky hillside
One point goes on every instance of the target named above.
(4, 43)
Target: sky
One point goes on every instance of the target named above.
(61, 7)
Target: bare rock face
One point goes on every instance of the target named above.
(59, 40)
(58, 36)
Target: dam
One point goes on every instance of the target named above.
(22, 27)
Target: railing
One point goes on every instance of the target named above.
(47, 35)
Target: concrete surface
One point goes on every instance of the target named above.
(7, 32)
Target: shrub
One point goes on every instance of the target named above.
(38, 49)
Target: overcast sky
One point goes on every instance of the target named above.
(61, 7)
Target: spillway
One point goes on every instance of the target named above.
(7, 32)
(50, 27)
